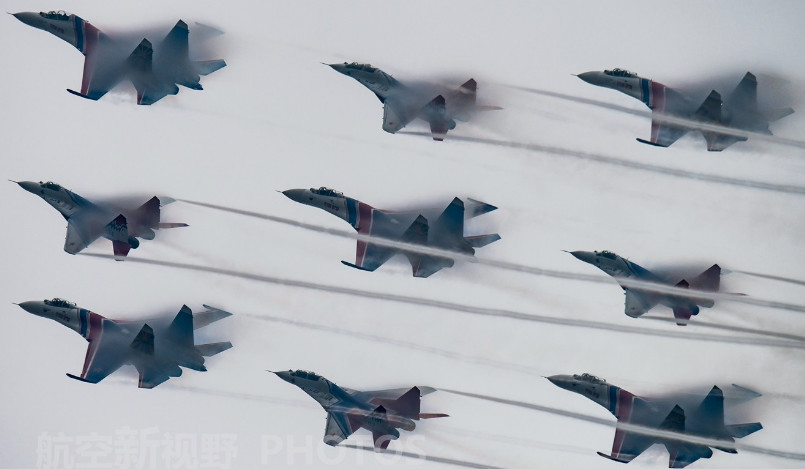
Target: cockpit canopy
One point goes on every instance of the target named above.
(587, 377)
(326, 191)
(357, 66)
(50, 185)
(607, 254)
(619, 72)
(60, 303)
(60, 15)
(305, 375)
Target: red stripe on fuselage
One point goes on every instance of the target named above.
(623, 412)
(94, 331)
(91, 34)
(364, 222)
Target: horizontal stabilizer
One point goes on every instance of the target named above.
(163, 226)
(144, 342)
(205, 67)
(474, 208)
(482, 240)
(770, 116)
(209, 316)
(743, 429)
(744, 394)
(208, 350)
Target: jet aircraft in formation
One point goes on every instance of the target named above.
(639, 301)
(402, 104)
(703, 420)
(738, 111)
(87, 222)
(431, 228)
(154, 73)
(380, 412)
(156, 347)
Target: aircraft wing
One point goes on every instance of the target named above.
(370, 256)
(101, 73)
(638, 302)
(337, 429)
(79, 235)
(663, 134)
(627, 446)
(663, 101)
(435, 112)
(105, 353)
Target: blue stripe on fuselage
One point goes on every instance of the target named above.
(645, 88)
(352, 212)
(613, 398)
(82, 320)
(79, 34)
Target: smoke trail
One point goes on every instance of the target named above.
(690, 124)
(497, 364)
(611, 160)
(423, 457)
(639, 429)
(421, 249)
(462, 308)
(771, 277)
(746, 330)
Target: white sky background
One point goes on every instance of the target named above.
(276, 119)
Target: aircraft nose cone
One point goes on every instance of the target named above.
(585, 256)
(297, 195)
(284, 375)
(29, 186)
(593, 78)
(337, 67)
(563, 381)
(29, 18)
(33, 307)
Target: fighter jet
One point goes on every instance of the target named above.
(432, 228)
(107, 61)
(380, 412)
(703, 420)
(639, 301)
(738, 111)
(402, 104)
(156, 347)
(87, 222)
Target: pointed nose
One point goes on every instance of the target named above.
(585, 256)
(284, 375)
(297, 195)
(337, 67)
(593, 78)
(30, 18)
(563, 381)
(29, 186)
(33, 307)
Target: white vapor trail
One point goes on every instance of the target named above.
(640, 429)
(422, 249)
(490, 312)
(690, 124)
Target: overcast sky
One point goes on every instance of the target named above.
(276, 119)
